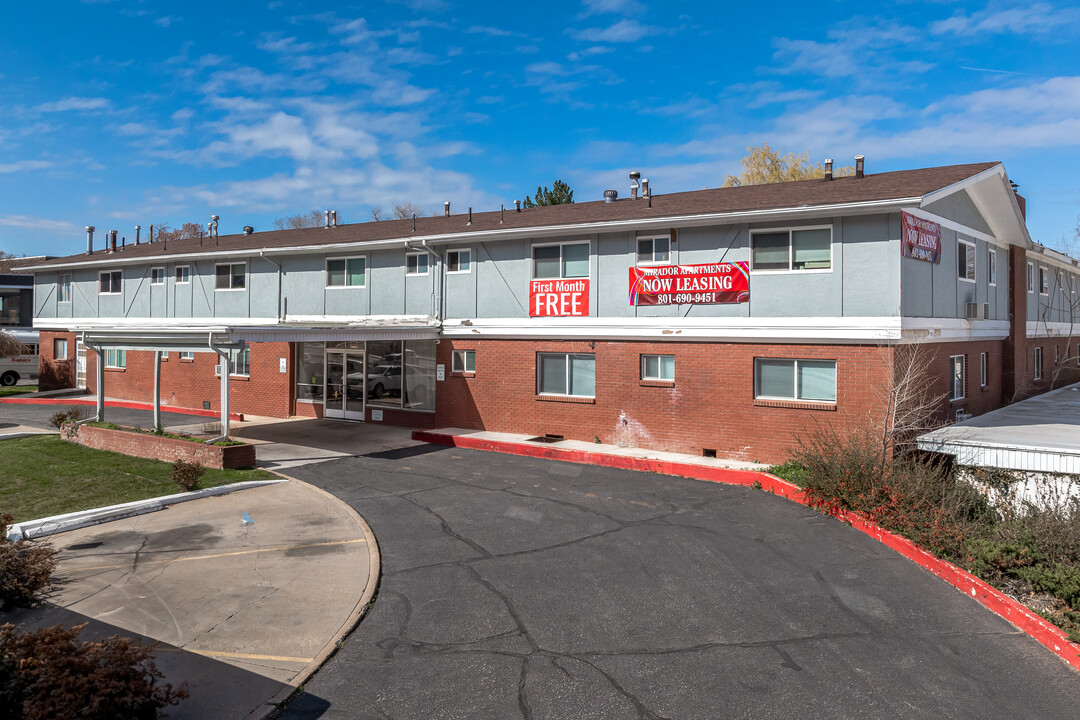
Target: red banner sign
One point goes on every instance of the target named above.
(920, 239)
(559, 298)
(709, 284)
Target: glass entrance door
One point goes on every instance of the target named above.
(344, 395)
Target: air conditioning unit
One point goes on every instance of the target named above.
(961, 415)
(976, 311)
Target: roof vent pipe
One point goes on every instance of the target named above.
(123, 242)
(214, 219)
(470, 217)
(634, 185)
(326, 225)
(138, 230)
(446, 209)
(828, 168)
(860, 163)
(89, 239)
(112, 240)
(610, 196)
(248, 230)
(333, 218)
(517, 206)
(645, 188)
(209, 229)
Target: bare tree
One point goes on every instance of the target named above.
(376, 214)
(299, 222)
(908, 407)
(404, 211)
(185, 231)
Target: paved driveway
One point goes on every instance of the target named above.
(515, 587)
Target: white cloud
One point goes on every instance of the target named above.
(24, 166)
(25, 222)
(1024, 20)
(621, 7)
(622, 31)
(75, 103)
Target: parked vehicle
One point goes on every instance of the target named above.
(15, 368)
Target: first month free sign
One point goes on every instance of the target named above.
(559, 298)
(707, 284)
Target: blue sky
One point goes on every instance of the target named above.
(123, 113)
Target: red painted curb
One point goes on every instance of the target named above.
(1046, 633)
(125, 404)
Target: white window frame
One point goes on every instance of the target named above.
(183, 278)
(561, 245)
(970, 244)
(1044, 280)
(187, 356)
(952, 377)
(157, 276)
(659, 365)
(346, 260)
(566, 356)
(1031, 277)
(791, 249)
(233, 355)
(1037, 360)
(795, 381)
(991, 267)
(417, 255)
(459, 252)
(58, 343)
(111, 273)
(164, 354)
(231, 288)
(63, 287)
(651, 239)
(461, 360)
(984, 374)
(115, 359)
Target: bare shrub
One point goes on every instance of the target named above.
(186, 474)
(49, 675)
(26, 569)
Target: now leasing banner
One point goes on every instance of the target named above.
(709, 284)
(920, 239)
(559, 298)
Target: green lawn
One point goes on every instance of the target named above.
(44, 475)
(17, 390)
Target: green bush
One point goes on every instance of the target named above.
(26, 569)
(48, 675)
(186, 474)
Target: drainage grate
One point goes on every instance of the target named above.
(548, 438)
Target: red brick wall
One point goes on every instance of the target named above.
(978, 399)
(190, 383)
(149, 446)
(55, 374)
(711, 404)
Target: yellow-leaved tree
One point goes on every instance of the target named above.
(763, 165)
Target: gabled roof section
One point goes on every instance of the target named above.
(805, 194)
(993, 196)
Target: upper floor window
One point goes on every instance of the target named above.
(1030, 278)
(63, 287)
(157, 276)
(965, 256)
(1044, 281)
(565, 260)
(654, 250)
(110, 283)
(991, 266)
(183, 274)
(459, 261)
(416, 264)
(793, 249)
(346, 272)
(230, 277)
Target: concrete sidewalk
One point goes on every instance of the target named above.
(248, 592)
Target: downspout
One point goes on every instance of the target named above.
(280, 270)
(437, 298)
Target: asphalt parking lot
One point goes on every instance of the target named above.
(515, 587)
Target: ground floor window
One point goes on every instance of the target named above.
(982, 370)
(310, 370)
(1038, 363)
(187, 355)
(401, 374)
(783, 379)
(60, 349)
(658, 367)
(956, 377)
(571, 374)
(116, 358)
(239, 363)
(464, 361)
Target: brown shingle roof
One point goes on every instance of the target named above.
(804, 193)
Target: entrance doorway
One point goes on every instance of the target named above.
(345, 387)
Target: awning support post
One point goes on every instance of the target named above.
(225, 395)
(157, 390)
(100, 417)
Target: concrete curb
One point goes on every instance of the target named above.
(124, 404)
(44, 527)
(273, 706)
(1035, 626)
(12, 436)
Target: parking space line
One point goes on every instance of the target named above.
(220, 555)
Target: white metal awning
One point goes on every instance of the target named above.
(166, 341)
(332, 334)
